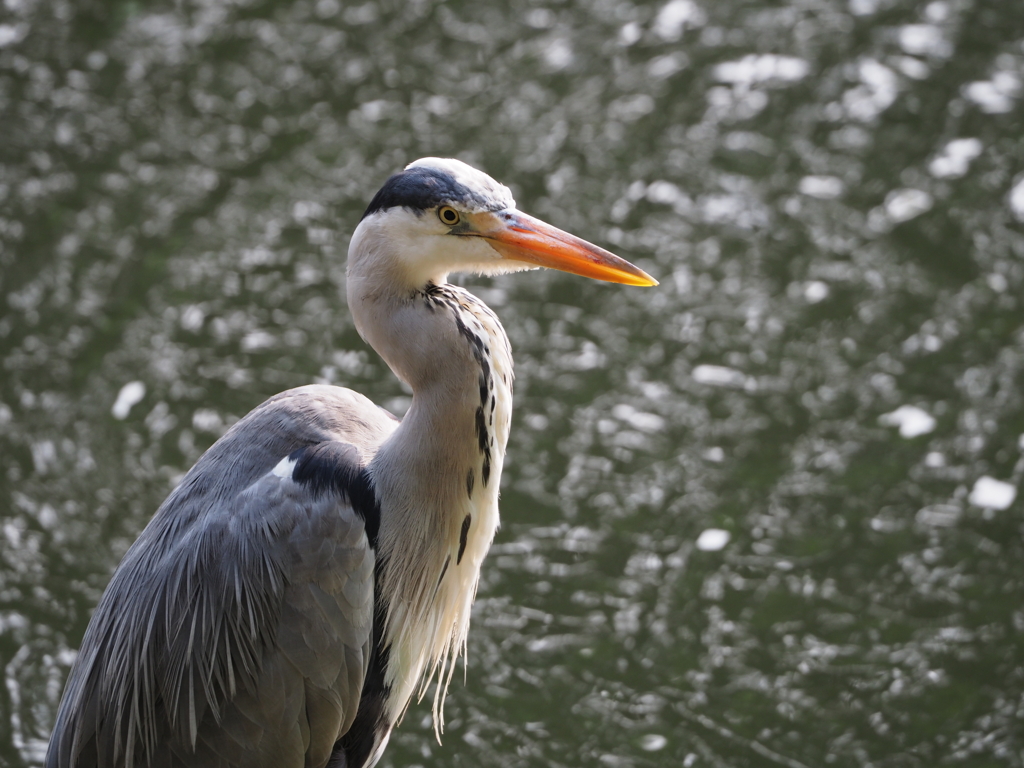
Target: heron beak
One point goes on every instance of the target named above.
(519, 237)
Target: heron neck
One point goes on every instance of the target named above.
(437, 476)
(452, 351)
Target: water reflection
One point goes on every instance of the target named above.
(831, 196)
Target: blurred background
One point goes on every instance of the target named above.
(765, 514)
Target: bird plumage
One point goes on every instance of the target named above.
(245, 603)
(317, 566)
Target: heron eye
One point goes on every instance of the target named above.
(448, 215)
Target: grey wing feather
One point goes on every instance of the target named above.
(308, 690)
(236, 630)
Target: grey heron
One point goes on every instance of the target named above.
(315, 569)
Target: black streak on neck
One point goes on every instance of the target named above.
(481, 353)
(447, 562)
(463, 538)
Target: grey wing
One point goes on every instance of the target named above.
(239, 639)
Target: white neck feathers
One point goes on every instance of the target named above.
(437, 476)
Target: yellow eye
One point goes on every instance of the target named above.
(448, 215)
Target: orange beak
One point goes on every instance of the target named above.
(519, 237)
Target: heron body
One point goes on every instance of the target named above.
(316, 568)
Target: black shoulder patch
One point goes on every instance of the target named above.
(337, 468)
(421, 189)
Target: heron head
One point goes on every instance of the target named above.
(440, 215)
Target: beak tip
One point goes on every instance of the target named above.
(644, 280)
